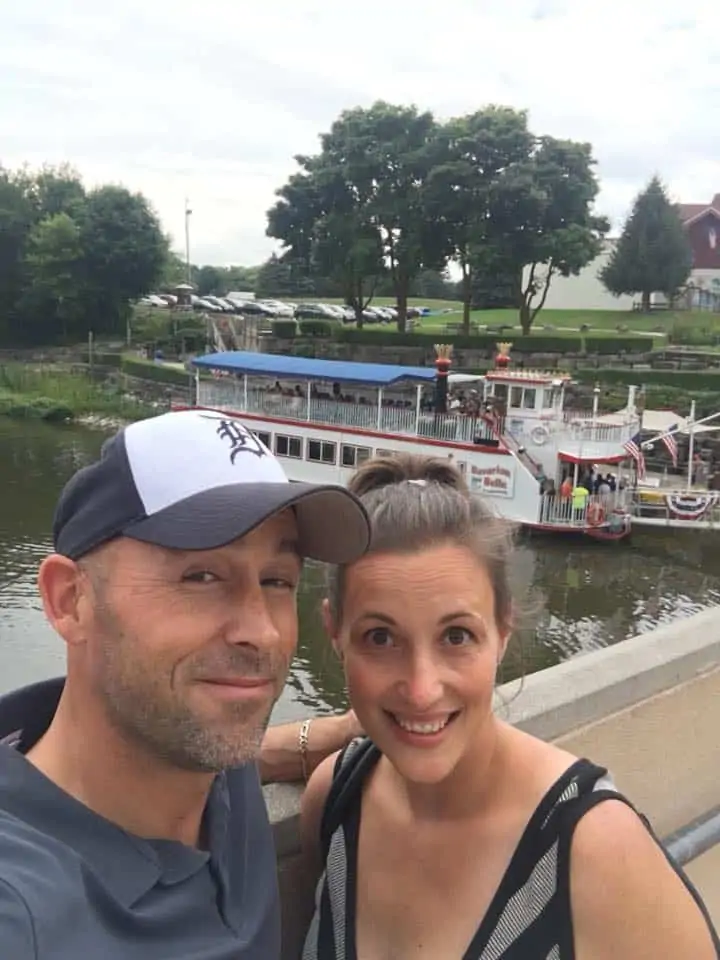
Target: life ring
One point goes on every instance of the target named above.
(595, 515)
(539, 435)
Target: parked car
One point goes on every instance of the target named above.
(278, 308)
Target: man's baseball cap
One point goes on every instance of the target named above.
(195, 480)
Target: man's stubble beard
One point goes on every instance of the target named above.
(143, 709)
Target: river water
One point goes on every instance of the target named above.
(580, 596)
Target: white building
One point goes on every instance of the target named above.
(585, 291)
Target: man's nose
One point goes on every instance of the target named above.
(251, 622)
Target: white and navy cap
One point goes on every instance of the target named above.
(196, 480)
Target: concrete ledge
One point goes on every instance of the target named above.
(556, 701)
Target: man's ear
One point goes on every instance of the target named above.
(64, 592)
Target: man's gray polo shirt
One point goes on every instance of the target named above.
(75, 886)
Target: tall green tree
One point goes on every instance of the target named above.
(325, 230)
(384, 154)
(653, 253)
(356, 209)
(470, 154)
(209, 279)
(53, 261)
(125, 254)
(543, 222)
(17, 216)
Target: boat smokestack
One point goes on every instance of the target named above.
(502, 359)
(443, 362)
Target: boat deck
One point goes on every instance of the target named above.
(401, 418)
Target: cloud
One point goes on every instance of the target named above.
(213, 100)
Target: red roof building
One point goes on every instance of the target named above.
(702, 222)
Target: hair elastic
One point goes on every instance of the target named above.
(419, 483)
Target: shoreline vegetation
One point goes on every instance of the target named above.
(58, 395)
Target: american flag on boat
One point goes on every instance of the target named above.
(633, 448)
(671, 444)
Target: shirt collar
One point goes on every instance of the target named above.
(129, 865)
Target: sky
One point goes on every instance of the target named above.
(211, 100)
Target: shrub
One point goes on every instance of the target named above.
(284, 329)
(34, 408)
(103, 358)
(681, 379)
(488, 342)
(147, 370)
(317, 328)
(610, 345)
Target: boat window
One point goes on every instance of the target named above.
(264, 438)
(528, 400)
(352, 456)
(548, 396)
(321, 451)
(514, 394)
(288, 447)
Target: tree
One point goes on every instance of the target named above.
(326, 233)
(384, 155)
(125, 254)
(209, 279)
(53, 261)
(356, 209)
(653, 253)
(470, 154)
(16, 221)
(57, 190)
(542, 220)
(433, 285)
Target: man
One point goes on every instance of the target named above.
(132, 823)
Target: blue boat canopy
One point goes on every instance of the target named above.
(307, 368)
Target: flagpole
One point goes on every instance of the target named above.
(679, 429)
(691, 445)
(188, 211)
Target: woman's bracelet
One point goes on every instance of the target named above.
(303, 747)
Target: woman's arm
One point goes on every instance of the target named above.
(310, 866)
(280, 755)
(627, 901)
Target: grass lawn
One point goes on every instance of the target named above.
(560, 322)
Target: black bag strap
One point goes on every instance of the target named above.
(351, 768)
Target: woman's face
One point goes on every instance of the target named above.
(421, 647)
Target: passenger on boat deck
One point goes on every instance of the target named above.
(447, 833)
(132, 822)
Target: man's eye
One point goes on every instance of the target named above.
(279, 583)
(200, 576)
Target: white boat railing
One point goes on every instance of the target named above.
(390, 418)
(570, 426)
(594, 511)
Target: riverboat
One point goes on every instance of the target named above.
(508, 430)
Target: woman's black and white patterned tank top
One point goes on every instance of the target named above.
(529, 917)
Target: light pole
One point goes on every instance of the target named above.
(188, 212)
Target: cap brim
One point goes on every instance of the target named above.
(332, 524)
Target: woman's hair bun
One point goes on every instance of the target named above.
(405, 467)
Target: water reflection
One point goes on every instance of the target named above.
(581, 596)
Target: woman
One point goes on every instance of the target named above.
(447, 833)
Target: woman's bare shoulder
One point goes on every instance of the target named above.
(627, 901)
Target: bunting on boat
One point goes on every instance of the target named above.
(690, 506)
